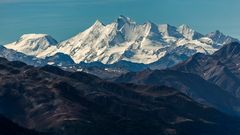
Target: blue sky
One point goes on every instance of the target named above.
(65, 18)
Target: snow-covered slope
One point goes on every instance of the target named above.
(124, 40)
(13, 55)
(219, 38)
(33, 44)
(59, 59)
(120, 40)
(189, 33)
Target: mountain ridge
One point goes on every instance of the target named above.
(69, 103)
(126, 40)
(221, 68)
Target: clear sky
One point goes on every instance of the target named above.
(65, 18)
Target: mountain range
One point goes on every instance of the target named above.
(121, 78)
(208, 79)
(156, 46)
(58, 102)
(221, 68)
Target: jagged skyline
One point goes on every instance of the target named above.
(64, 18)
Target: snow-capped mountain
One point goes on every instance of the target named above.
(121, 40)
(189, 33)
(219, 38)
(169, 31)
(33, 44)
(124, 40)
